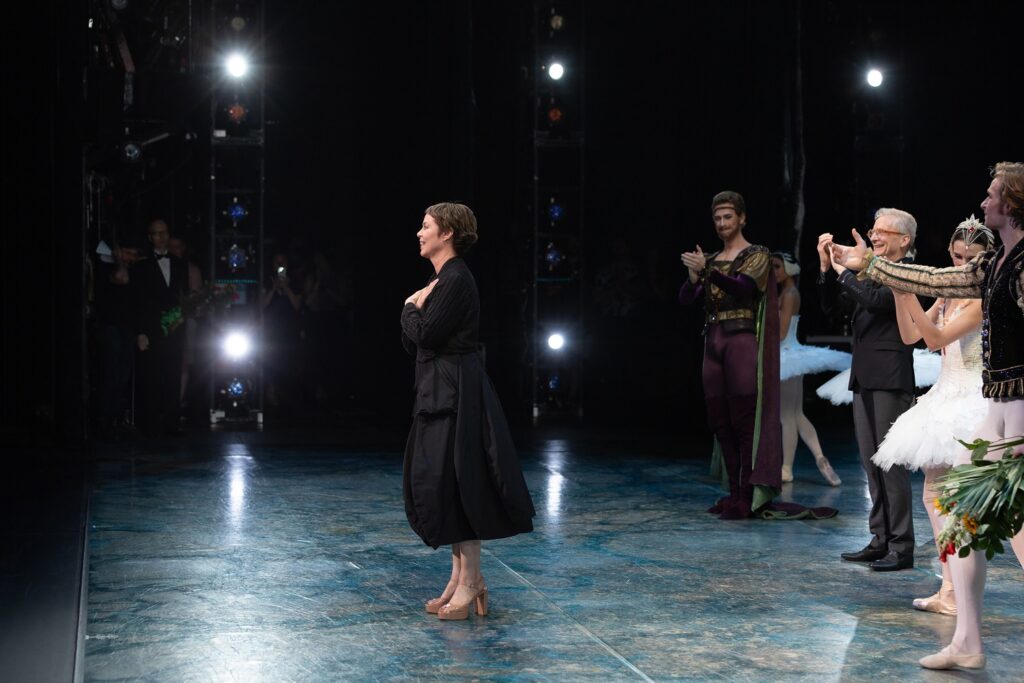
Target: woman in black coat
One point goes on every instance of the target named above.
(462, 482)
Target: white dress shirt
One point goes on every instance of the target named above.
(165, 267)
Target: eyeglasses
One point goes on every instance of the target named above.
(882, 231)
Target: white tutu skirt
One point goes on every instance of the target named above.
(797, 359)
(926, 435)
(926, 373)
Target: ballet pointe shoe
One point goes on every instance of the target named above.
(943, 602)
(787, 474)
(432, 606)
(944, 659)
(451, 612)
(825, 467)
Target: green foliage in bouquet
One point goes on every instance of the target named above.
(209, 298)
(983, 501)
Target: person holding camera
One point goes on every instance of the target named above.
(282, 326)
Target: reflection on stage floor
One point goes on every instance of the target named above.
(239, 557)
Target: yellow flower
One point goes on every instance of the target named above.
(970, 524)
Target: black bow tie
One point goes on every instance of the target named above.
(160, 256)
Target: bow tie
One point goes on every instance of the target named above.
(160, 256)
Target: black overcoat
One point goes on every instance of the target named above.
(461, 477)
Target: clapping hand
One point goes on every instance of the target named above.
(850, 257)
(825, 251)
(695, 262)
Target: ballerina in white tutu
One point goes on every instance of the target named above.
(925, 436)
(926, 373)
(795, 361)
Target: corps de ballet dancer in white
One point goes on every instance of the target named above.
(795, 361)
(925, 437)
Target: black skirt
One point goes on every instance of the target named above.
(461, 478)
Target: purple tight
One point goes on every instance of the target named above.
(730, 388)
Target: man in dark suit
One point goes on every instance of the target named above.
(882, 381)
(159, 282)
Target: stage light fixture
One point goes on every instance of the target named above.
(556, 341)
(238, 24)
(237, 345)
(556, 71)
(874, 78)
(237, 65)
(238, 259)
(555, 211)
(553, 256)
(132, 152)
(557, 22)
(554, 115)
(237, 113)
(236, 389)
(119, 5)
(554, 383)
(237, 211)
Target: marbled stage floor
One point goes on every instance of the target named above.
(240, 558)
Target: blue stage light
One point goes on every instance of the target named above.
(238, 259)
(132, 152)
(553, 256)
(554, 383)
(237, 211)
(235, 388)
(556, 211)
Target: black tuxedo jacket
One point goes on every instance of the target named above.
(881, 361)
(153, 296)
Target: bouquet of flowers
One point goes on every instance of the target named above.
(195, 304)
(983, 501)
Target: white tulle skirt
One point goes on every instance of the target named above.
(926, 373)
(797, 359)
(926, 435)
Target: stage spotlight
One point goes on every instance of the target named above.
(132, 152)
(556, 211)
(238, 259)
(557, 22)
(556, 71)
(554, 383)
(553, 256)
(238, 24)
(236, 389)
(237, 211)
(874, 78)
(237, 346)
(237, 65)
(554, 115)
(237, 113)
(556, 341)
(119, 5)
